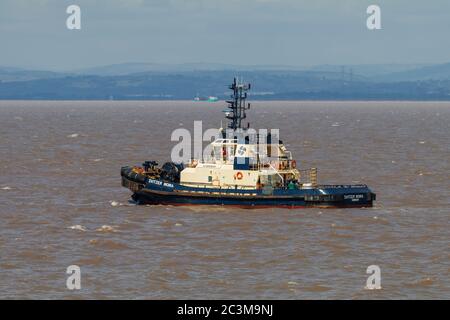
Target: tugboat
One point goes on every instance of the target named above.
(246, 171)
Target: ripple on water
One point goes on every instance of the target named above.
(108, 244)
(107, 228)
(91, 261)
(316, 288)
(422, 282)
(78, 227)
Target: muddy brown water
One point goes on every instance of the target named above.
(61, 204)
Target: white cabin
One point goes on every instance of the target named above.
(233, 164)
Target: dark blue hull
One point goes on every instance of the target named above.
(332, 196)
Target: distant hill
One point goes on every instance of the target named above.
(363, 70)
(123, 69)
(9, 74)
(138, 81)
(267, 85)
(368, 70)
(131, 68)
(434, 72)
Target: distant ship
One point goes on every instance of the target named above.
(238, 174)
(207, 99)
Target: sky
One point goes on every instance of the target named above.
(33, 33)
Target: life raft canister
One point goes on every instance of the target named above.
(138, 170)
(239, 175)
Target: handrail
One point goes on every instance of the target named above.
(276, 171)
(311, 174)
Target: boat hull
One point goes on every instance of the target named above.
(146, 198)
(155, 192)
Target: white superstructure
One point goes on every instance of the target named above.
(234, 164)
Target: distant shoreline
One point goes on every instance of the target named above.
(336, 84)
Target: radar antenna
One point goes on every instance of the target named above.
(237, 104)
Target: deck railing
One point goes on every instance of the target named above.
(308, 176)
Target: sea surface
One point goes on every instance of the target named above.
(61, 204)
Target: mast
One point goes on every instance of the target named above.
(237, 105)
